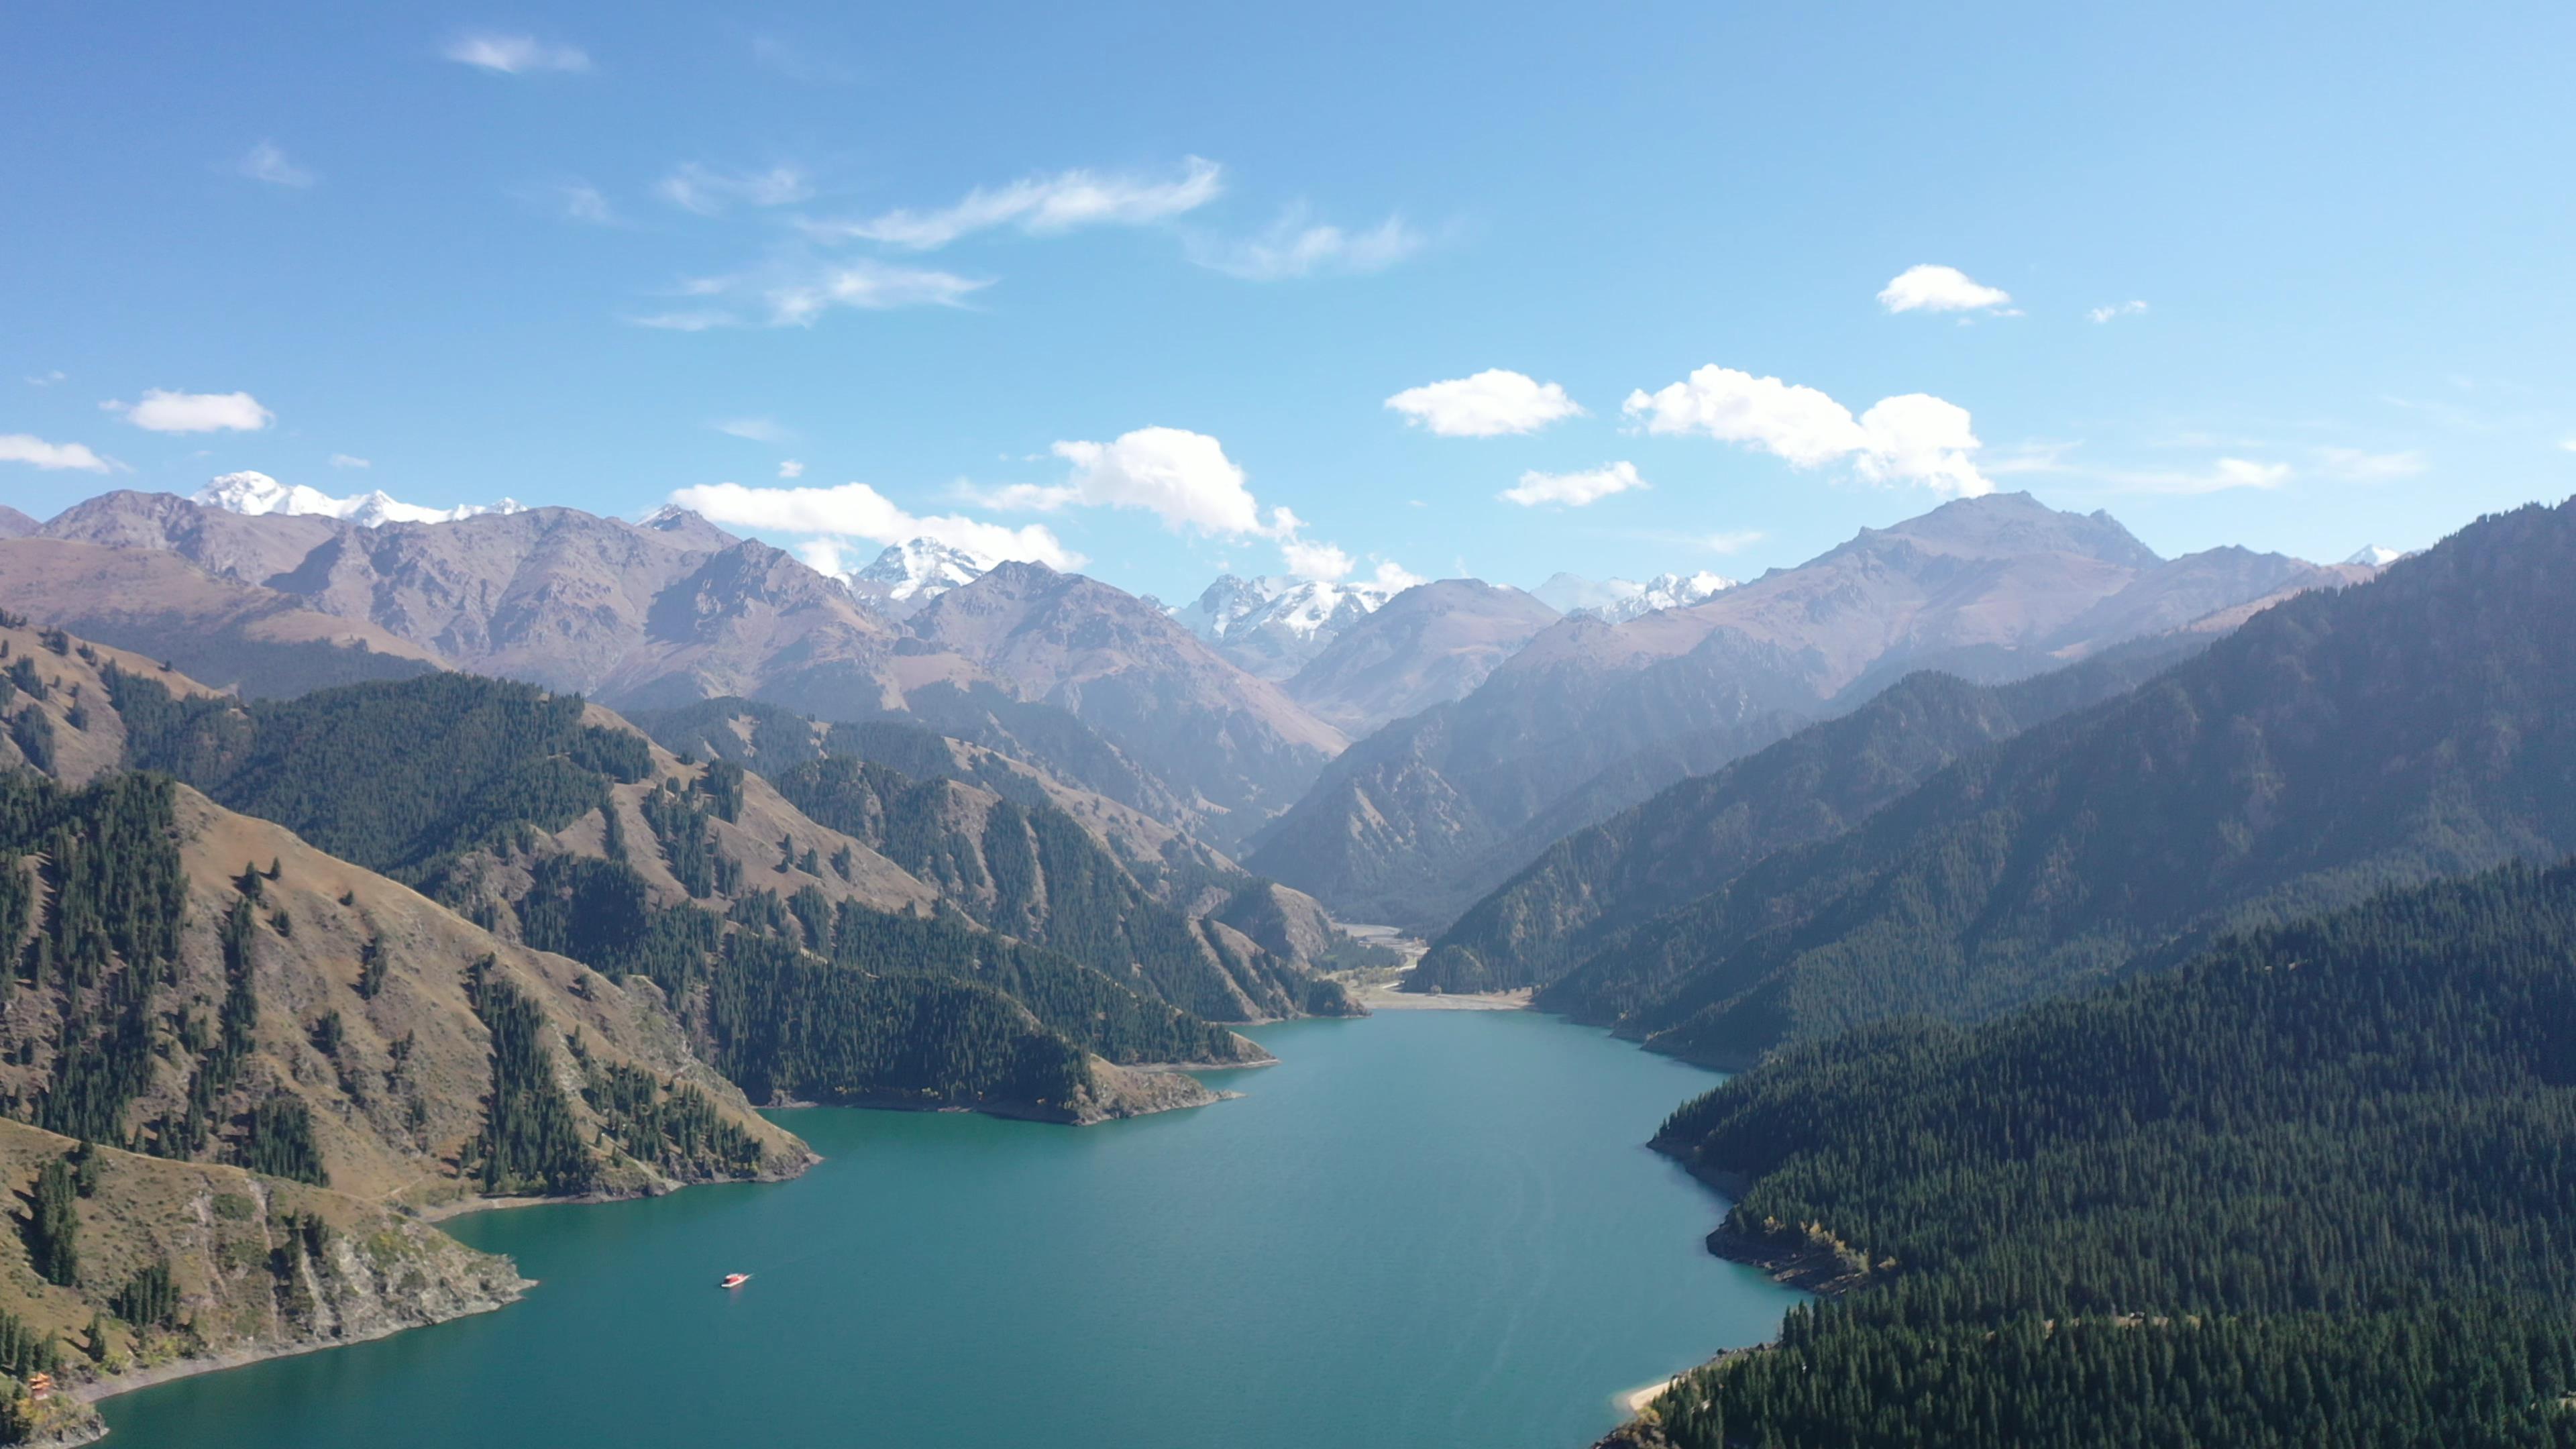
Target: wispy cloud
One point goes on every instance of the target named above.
(798, 297)
(350, 460)
(46, 379)
(1929, 288)
(790, 468)
(515, 54)
(37, 453)
(2360, 466)
(265, 162)
(1295, 247)
(708, 192)
(2112, 311)
(700, 319)
(1040, 206)
(757, 430)
(580, 201)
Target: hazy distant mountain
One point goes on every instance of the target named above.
(258, 493)
(1415, 821)
(2376, 556)
(1428, 645)
(1619, 600)
(1153, 688)
(2343, 741)
(912, 573)
(14, 524)
(1272, 626)
(1100, 686)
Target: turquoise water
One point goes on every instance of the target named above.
(1422, 1229)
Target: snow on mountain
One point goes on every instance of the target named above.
(1619, 600)
(2376, 556)
(1272, 626)
(255, 493)
(918, 570)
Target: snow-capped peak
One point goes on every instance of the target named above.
(1618, 600)
(2377, 556)
(921, 569)
(254, 493)
(1304, 609)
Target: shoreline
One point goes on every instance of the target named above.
(188, 1368)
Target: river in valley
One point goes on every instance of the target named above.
(1426, 1229)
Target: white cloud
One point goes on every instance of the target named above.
(515, 54)
(347, 460)
(265, 162)
(2220, 477)
(757, 430)
(796, 300)
(1041, 206)
(1929, 288)
(855, 510)
(46, 379)
(790, 468)
(697, 188)
(1293, 247)
(2111, 311)
(36, 452)
(2356, 465)
(1183, 477)
(1395, 578)
(823, 556)
(1315, 560)
(2568, 443)
(1911, 438)
(163, 411)
(1731, 542)
(1573, 490)
(1485, 405)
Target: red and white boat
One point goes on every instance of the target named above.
(733, 1280)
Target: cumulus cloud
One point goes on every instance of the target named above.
(1041, 206)
(790, 468)
(1315, 560)
(1488, 404)
(515, 54)
(1911, 438)
(2358, 466)
(706, 191)
(1573, 490)
(1929, 288)
(1184, 478)
(1295, 247)
(37, 453)
(163, 411)
(855, 510)
(2112, 311)
(350, 460)
(265, 162)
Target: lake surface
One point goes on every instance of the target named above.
(1423, 1229)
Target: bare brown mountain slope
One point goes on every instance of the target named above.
(1240, 744)
(1430, 644)
(1412, 824)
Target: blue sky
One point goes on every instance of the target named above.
(1137, 278)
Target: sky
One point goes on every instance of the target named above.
(1380, 291)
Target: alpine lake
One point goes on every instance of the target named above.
(1425, 1229)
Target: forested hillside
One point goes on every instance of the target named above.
(2316, 1186)
(2411, 727)
(1697, 835)
(1034, 873)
